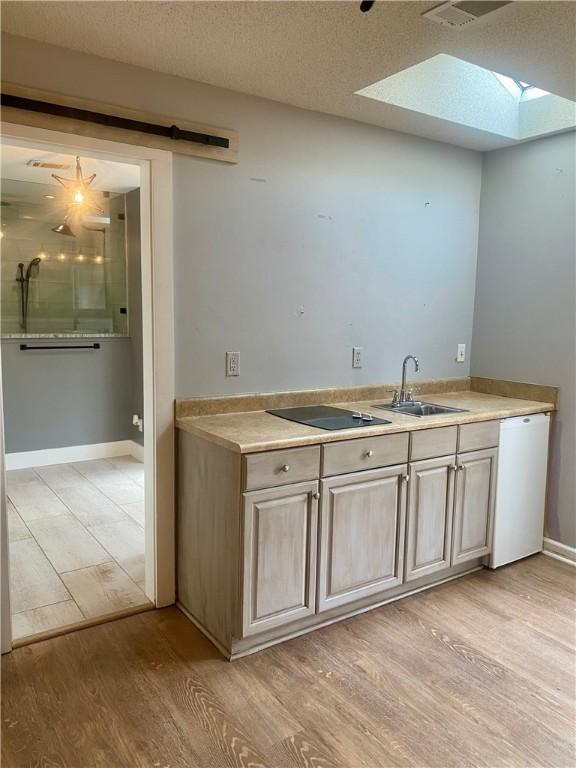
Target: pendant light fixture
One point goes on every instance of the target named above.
(80, 200)
(81, 196)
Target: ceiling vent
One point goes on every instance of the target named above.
(462, 14)
(51, 166)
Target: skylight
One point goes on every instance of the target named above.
(519, 89)
(448, 88)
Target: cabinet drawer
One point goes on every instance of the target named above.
(367, 453)
(482, 434)
(431, 443)
(266, 470)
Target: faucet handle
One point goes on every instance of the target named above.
(396, 397)
(409, 396)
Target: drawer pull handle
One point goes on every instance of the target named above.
(286, 468)
(316, 495)
(368, 454)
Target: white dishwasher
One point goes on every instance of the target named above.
(521, 488)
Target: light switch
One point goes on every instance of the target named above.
(461, 354)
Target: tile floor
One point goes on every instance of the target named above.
(76, 542)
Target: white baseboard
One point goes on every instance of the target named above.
(31, 459)
(559, 551)
(136, 450)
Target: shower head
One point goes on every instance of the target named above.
(33, 268)
(63, 229)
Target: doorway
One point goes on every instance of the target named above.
(89, 443)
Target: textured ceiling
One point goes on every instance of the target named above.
(313, 54)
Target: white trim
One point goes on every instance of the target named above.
(31, 459)
(559, 551)
(136, 450)
(158, 336)
(5, 613)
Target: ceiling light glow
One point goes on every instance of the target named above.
(81, 197)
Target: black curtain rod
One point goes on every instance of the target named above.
(26, 347)
(112, 121)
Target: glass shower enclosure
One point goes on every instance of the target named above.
(56, 284)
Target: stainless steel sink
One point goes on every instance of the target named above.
(419, 408)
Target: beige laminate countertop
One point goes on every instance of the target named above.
(250, 432)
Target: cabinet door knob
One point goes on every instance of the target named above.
(406, 477)
(286, 468)
(316, 495)
(454, 467)
(461, 467)
(369, 454)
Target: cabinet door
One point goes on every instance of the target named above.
(474, 506)
(361, 535)
(429, 517)
(280, 542)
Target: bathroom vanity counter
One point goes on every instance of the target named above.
(255, 431)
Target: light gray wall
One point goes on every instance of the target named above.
(63, 398)
(524, 321)
(326, 235)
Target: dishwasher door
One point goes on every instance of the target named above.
(521, 488)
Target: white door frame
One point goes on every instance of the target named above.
(158, 344)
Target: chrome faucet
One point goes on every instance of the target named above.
(405, 395)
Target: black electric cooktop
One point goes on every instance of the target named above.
(326, 417)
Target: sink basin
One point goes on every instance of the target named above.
(419, 408)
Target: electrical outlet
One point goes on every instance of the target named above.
(357, 357)
(461, 353)
(232, 363)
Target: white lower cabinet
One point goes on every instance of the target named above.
(429, 517)
(474, 505)
(279, 560)
(362, 523)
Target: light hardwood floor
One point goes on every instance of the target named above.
(474, 673)
(76, 542)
